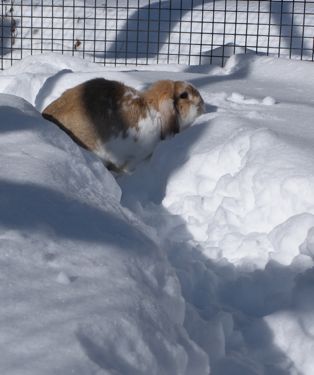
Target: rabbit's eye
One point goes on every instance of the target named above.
(184, 95)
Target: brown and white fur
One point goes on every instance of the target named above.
(123, 125)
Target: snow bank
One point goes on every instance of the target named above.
(84, 287)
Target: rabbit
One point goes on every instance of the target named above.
(123, 125)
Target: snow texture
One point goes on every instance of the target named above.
(146, 31)
(200, 262)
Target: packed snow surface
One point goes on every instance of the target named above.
(200, 262)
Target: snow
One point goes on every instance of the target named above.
(170, 31)
(199, 262)
(84, 287)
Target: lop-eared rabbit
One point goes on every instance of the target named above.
(120, 124)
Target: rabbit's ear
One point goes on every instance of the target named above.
(171, 127)
(169, 119)
(188, 103)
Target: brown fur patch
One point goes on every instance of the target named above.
(97, 109)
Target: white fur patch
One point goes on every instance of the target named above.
(131, 95)
(190, 118)
(127, 152)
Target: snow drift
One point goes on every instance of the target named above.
(218, 280)
(79, 274)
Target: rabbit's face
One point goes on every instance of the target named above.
(188, 103)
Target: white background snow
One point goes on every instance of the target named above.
(200, 262)
(145, 31)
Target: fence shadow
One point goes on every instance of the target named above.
(6, 35)
(289, 30)
(158, 20)
(146, 32)
(165, 31)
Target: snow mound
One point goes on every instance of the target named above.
(26, 136)
(238, 192)
(85, 288)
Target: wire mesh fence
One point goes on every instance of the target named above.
(137, 32)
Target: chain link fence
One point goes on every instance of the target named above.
(139, 32)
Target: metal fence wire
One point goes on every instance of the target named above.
(140, 32)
